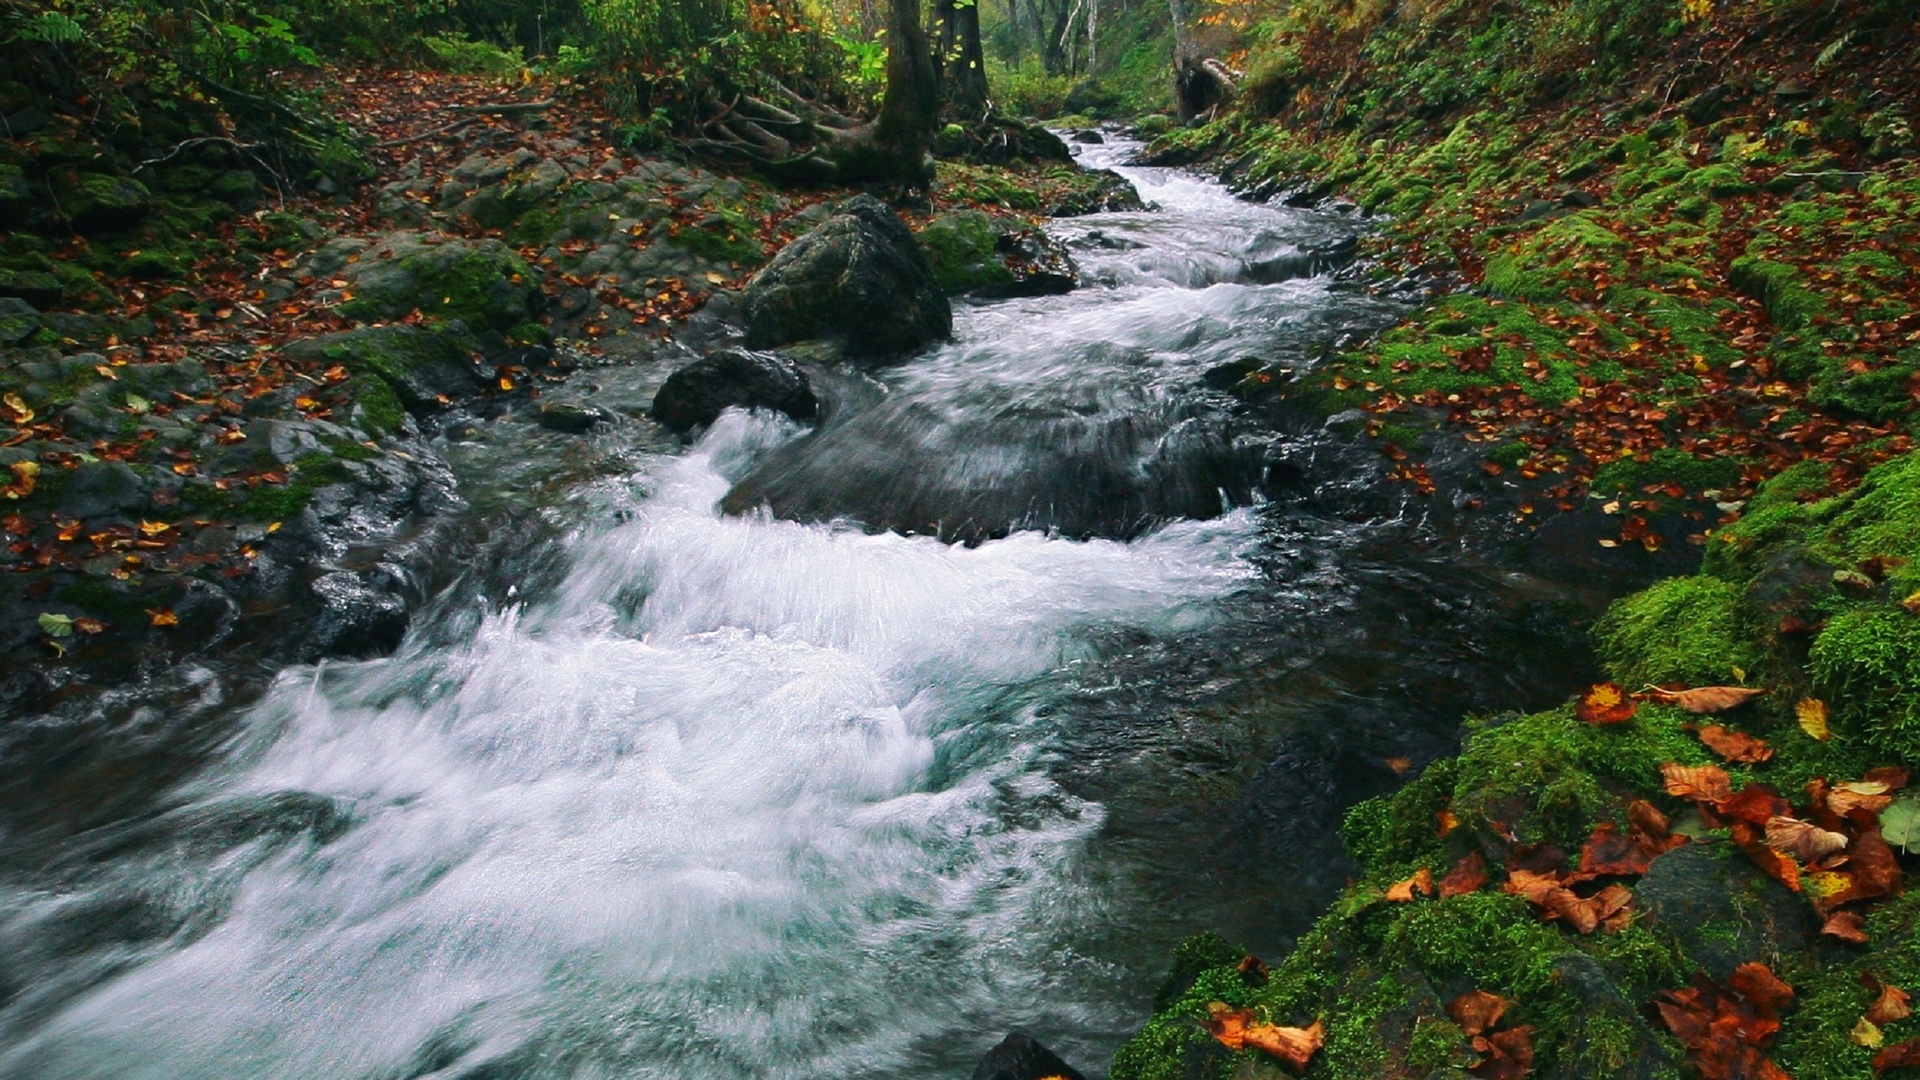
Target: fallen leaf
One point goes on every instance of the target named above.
(17, 410)
(1508, 1054)
(1757, 983)
(1891, 1005)
(1421, 883)
(1869, 797)
(1609, 853)
(1898, 1055)
(1465, 876)
(1294, 1046)
(1605, 703)
(1866, 1033)
(1812, 714)
(163, 617)
(1477, 1011)
(1755, 804)
(1707, 699)
(1803, 840)
(1848, 926)
(1734, 746)
(1708, 783)
(89, 626)
(1900, 822)
(56, 626)
(1752, 843)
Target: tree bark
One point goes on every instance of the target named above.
(910, 109)
(963, 74)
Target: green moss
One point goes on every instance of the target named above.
(1687, 630)
(1867, 662)
(305, 475)
(1790, 304)
(110, 601)
(1489, 940)
(1663, 466)
(963, 248)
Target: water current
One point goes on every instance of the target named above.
(987, 692)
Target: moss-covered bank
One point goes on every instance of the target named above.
(1801, 597)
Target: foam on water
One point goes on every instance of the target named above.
(704, 811)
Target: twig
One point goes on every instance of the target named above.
(199, 141)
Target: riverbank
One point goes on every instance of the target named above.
(1691, 299)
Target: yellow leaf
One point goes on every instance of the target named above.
(716, 277)
(1866, 1033)
(1812, 713)
(18, 407)
(154, 528)
(1912, 603)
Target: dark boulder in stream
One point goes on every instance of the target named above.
(697, 394)
(1021, 1057)
(860, 277)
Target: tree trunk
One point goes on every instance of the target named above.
(910, 109)
(963, 73)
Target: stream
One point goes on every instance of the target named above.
(811, 754)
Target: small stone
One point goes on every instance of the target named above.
(571, 417)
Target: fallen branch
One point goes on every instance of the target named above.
(443, 129)
(199, 141)
(504, 108)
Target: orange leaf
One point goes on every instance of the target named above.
(1509, 1054)
(1758, 984)
(1734, 746)
(1608, 853)
(1466, 876)
(1294, 1046)
(163, 617)
(1708, 783)
(1477, 1011)
(1707, 699)
(1605, 703)
(1897, 1056)
(1848, 926)
(1401, 892)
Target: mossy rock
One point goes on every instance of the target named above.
(37, 287)
(16, 198)
(1541, 267)
(99, 202)
(423, 368)
(481, 283)
(1790, 304)
(1688, 630)
(963, 248)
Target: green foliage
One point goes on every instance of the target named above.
(1867, 661)
(457, 54)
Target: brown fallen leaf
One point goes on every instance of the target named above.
(1477, 1011)
(1605, 703)
(1848, 926)
(1803, 840)
(1609, 853)
(1757, 983)
(1755, 804)
(1734, 746)
(1906, 1054)
(1872, 871)
(1812, 714)
(1867, 796)
(1403, 892)
(1752, 843)
(1889, 1006)
(1465, 876)
(1724, 1027)
(1707, 783)
(1508, 1055)
(1706, 699)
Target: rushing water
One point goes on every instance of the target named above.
(773, 794)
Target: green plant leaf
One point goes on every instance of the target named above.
(1900, 823)
(57, 626)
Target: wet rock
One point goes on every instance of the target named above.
(1723, 910)
(36, 287)
(1021, 1057)
(1098, 191)
(1089, 137)
(426, 366)
(356, 619)
(481, 282)
(98, 489)
(16, 198)
(861, 277)
(571, 417)
(1593, 1048)
(18, 320)
(697, 394)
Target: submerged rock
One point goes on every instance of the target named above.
(697, 394)
(975, 253)
(1021, 1057)
(860, 277)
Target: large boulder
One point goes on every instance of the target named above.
(426, 367)
(484, 283)
(1021, 1057)
(973, 252)
(860, 277)
(697, 394)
